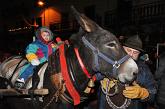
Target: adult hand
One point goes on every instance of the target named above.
(135, 91)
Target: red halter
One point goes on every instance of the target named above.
(83, 66)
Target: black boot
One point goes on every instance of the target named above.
(35, 81)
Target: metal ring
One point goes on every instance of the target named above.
(116, 65)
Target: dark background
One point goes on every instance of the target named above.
(127, 18)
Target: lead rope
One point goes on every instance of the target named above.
(55, 95)
(126, 103)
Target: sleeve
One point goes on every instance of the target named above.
(148, 82)
(31, 52)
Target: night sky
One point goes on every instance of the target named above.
(15, 9)
(10, 10)
(19, 10)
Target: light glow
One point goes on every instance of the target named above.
(40, 3)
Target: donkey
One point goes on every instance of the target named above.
(90, 55)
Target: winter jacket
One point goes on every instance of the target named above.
(144, 79)
(39, 50)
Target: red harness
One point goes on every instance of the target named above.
(69, 85)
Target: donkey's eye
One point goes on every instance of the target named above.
(111, 44)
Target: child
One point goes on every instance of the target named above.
(36, 53)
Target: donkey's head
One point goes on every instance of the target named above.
(101, 51)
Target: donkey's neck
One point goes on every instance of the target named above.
(74, 62)
(79, 77)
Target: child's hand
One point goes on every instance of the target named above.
(35, 62)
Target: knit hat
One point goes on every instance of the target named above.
(43, 29)
(134, 42)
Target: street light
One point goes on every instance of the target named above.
(41, 3)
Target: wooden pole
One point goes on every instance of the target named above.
(23, 92)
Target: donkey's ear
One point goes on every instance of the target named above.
(86, 23)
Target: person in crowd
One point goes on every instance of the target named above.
(160, 78)
(37, 54)
(143, 89)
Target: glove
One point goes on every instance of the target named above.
(35, 62)
(54, 45)
(107, 85)
(135, 91)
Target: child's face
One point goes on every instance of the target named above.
(46, 36)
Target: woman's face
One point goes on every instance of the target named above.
(46, 36)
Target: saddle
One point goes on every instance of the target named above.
(13, 66)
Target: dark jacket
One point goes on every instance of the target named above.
(144, 79)
(160, 77)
